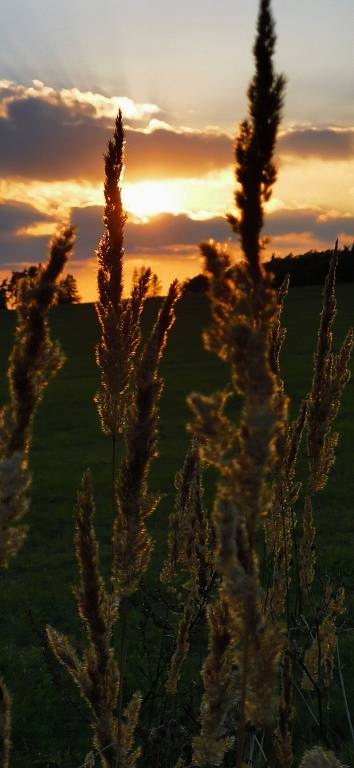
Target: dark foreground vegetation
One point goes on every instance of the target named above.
(37, 589)
(238, 651)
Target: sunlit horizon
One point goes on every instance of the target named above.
(57, 109)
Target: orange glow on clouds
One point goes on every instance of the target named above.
(55, 198)
(204, 197)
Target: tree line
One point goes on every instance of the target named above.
(66, 291)
(309, 268)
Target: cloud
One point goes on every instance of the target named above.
(15, 216)
(164, 237)
(165, 231)
(168, 152)
(323, 143)
(58, 135)
(40, 140)
(318, 224)
(168, 233)
(96, 104)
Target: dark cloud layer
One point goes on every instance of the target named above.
(159, 233)
(327, 143)
(160, 236)
(52, 140)
(325, 229)
(14, 216)
(167, 230)
(46, 141)
(169, 153)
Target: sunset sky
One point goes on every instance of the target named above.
(180, 72)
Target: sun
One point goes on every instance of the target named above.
(147, 198)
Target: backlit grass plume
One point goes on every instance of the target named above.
(119, 319)
(128, 402)
(291, 591)
(132, 543)
(331, 374)
(189, 536)
(319, 758)
(34, 359)
(245, 309)
(5, 725)
(189, 556)
(96, 673)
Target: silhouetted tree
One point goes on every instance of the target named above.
(312, 267)
(197, 284)
(9, 286)
(67, 292)
(155, 287)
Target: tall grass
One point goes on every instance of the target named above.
(244, 576)
(34, 359)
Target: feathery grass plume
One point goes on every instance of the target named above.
(255, 169)
(96, 674)
(182, 644)
(129, 753)
(221, 684)
(119, 320)
(127, 403)
(319, 657)
(318, 758)
(132, 544)
(278, 332)
(307, 547)
(189, 530)
(244, 309)
(283, 750)
(34, 359)
(189, 552)
(5, 725)
(89, 761)
(279, 526)
(331, 374)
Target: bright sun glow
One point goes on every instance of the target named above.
(147, 198)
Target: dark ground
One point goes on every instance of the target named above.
(37, 590)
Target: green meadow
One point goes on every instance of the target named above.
(37, 588)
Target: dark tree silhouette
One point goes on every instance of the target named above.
(67, 292)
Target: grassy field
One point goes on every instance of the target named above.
(38, 587)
